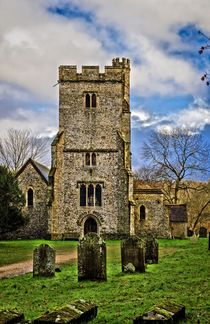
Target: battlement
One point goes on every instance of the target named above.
(92, 73)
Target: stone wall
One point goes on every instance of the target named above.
(104, 130)
(37, 214)
(156, 220)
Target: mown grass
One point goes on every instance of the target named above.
(182, 275)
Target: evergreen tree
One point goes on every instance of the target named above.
(11, 202)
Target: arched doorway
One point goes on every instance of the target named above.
(90, 226)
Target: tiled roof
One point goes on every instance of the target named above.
(40, 168)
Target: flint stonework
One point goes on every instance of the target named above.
(44, 261)
(92, 258)
(133, 251)
(151, 253)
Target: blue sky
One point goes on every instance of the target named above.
(160, 38)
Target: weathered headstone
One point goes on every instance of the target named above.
(203, 232)
(151, 252)
(92, 258)
(44, 261)
(168, 312)
(79, 311)
(133, 251)
(10, 317)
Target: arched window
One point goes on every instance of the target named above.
(142, 212)
(93, 100)
(87, 159)
(82, 195)
(87, 100)
(93, 159)
(90, 195)
(30, 197)
(98, 195)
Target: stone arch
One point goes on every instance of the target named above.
(85, 216)
(90, 225)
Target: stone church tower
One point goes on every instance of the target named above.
(91, 185)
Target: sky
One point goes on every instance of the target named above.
(159, 37)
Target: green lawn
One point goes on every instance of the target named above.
(182, 275)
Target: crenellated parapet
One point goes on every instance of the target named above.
(115, 72)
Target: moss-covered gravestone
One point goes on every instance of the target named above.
(44, 261)
(151, 252)
(10, 317)
(79, 311)
(133, 251)
(167, 312)
(92, 258)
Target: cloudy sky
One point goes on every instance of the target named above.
(160, 37)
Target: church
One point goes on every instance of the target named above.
(90, 185)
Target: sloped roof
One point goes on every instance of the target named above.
(147, 191)
(40, 168)
(177, 213)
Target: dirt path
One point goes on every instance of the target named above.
(20, 268)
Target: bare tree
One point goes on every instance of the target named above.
(205, 76)
(20, 145)
(175, 156)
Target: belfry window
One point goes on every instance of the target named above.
(90, 159)
(90, 194)
(30, 197)
(90, 100)
(142, 212)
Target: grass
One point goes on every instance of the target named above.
(182, 275)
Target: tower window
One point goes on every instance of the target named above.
(87, 159)
(90, 100)
(90, 195)
(142, 212)
(93, 100)
(30, 197)
(83, 195)
(87, 100)
(90, 159)
(98, 195)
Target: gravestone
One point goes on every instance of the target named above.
(10, 316)
(44, 261)
(167, 312)
(133, 251)
(92, 258)
(203, 232)
(79, 311)
(151, 251)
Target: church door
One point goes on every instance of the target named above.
(90, 226)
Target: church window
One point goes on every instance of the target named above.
(90, 100)
(90, 195)
(83, 195)
(87, 100)
(87, 159)
(98, 195)
(94, 100)
(142, 212)
(30, 197)
(93, 159)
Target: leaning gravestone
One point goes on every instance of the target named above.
(44, 261)
(92, 258)
(133, 251)
(151, 253)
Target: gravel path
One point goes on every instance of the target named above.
(20, 268)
